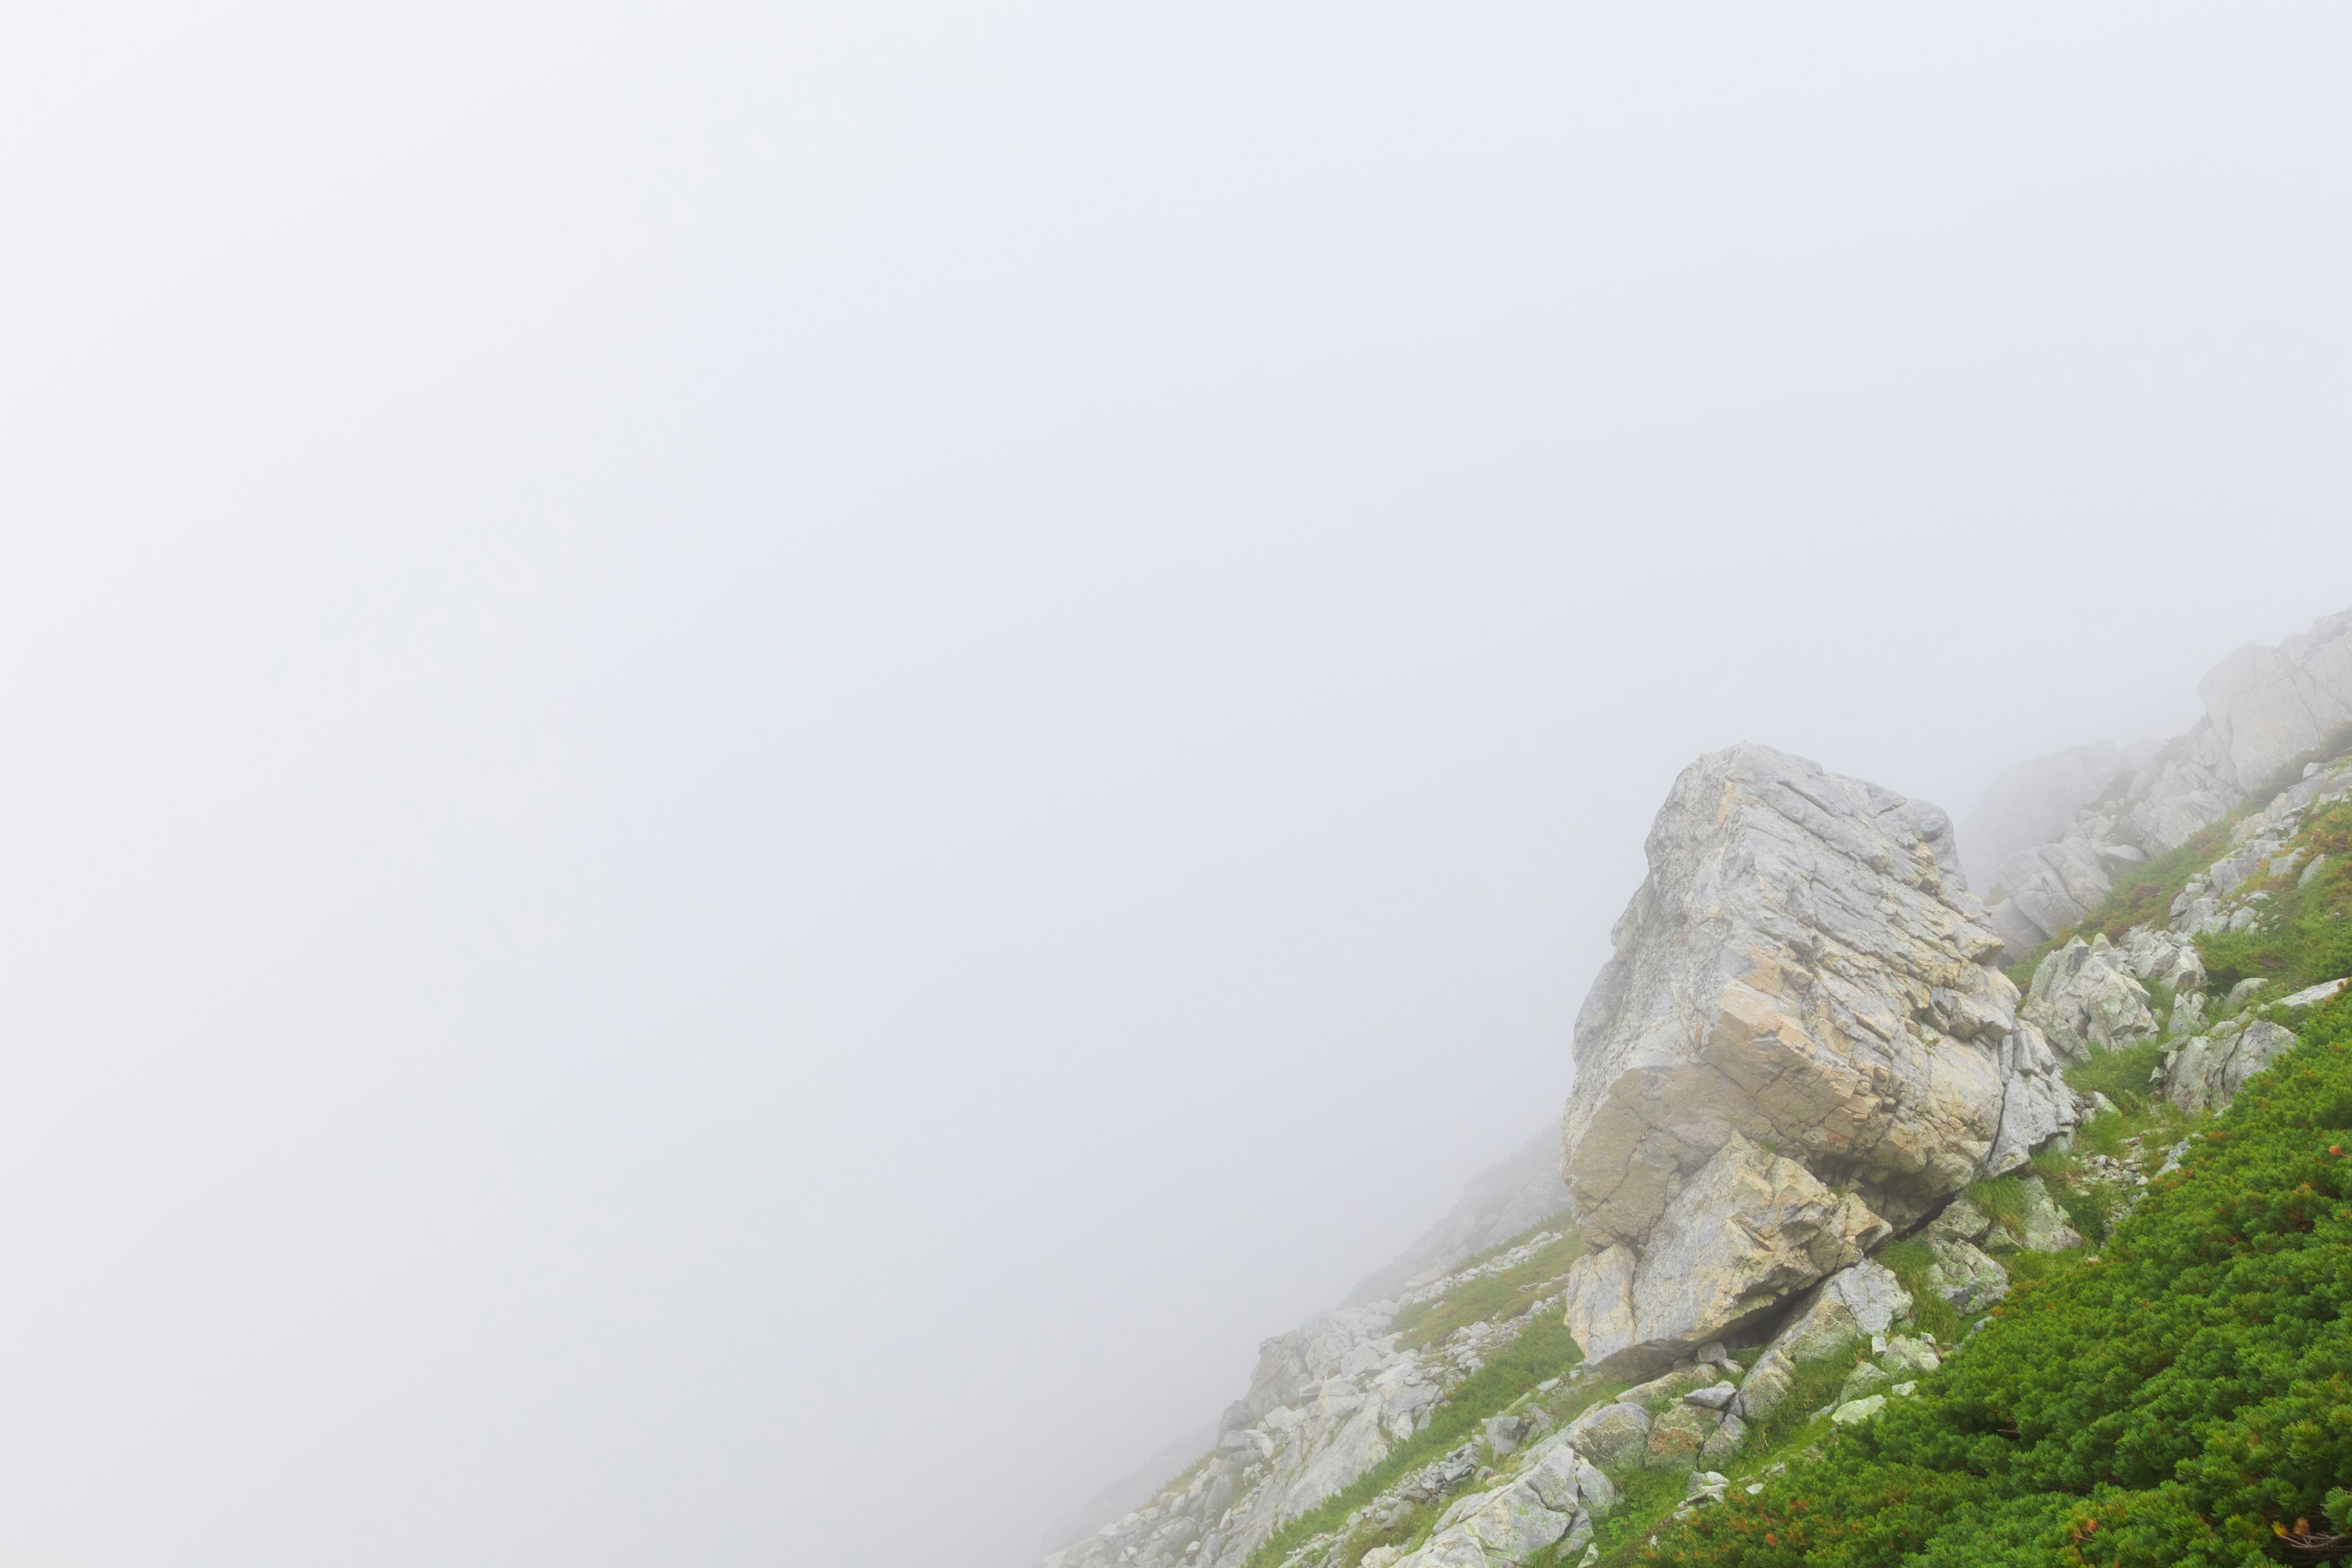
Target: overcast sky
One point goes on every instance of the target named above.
(765, 764)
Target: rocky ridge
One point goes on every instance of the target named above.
(1815, 1132)
(2263, 706)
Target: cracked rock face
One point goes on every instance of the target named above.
(1748, 1228)
(1802, 981)
(2084, 999)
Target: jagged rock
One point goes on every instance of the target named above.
(1512, 1523)
(2268, 704)
(1853, 1303)
(1507, 1198)
(2157, 957)
(2311, 872)
(1960, 1221)
(2050, 887)
(2033, 803)
(1802, 969)
(1909, 1354)
(1715, 1397)
(1676, 1435)
(2187, 1014)
(2206, 1073)
(2261, 707)
(2083, 999)
(1504, 1433)
(2312, 995)
(1865, 1379)
(1727, 1441)
(2036, 1103)
(1748, 1229)
(1965, 1276)
(1611, 1436)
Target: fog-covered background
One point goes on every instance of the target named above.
(763, 763)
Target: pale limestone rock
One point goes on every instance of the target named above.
(1676, 1435)
(2084, 999)
(1965, 1276)
(1909, 1356)
(1611, 1436)
(2206, 1073)
(1801, 967)
(1859, 1411)
(2052, 886)
(1714, 1397)
(1750, 1228)
(2312, 995)
(1558, 1493)
(1854, 1303)
(1960, 1221)
(2267, 704)
(2036, 1103)
(2157, 957)
(1726, 1443)
(1865, 1379)
(1672, 1385)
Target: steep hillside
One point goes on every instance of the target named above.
(1894, 1237)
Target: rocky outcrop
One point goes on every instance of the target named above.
(2084, 999)
(2035, 803)
(1855, 1303)
(1748, 1228)
(2205, 1072)
(2263, 707)
(1798, 1002)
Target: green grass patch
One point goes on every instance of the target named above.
(2306, 935)
(2122, 1076)
(2002, 1200)
(1543, 1351)
(1491, 1300)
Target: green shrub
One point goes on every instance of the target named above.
(2180, 1400)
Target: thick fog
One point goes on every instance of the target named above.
(765, 764)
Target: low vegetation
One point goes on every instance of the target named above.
(2305, 932)
(1495, 1299)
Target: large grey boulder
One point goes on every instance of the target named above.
(2036, 1102)
(1750, 1228)
(1967, 1278)
(2206, 1072)
(2265, 705)
(1512, 1523)
(1801, 970)
(2050, 888)
(2084, 999)
(1611, 1436)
